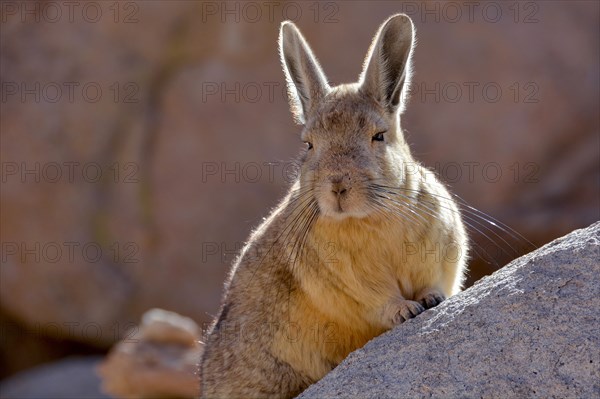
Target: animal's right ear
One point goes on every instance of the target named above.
(306, 82)
(387, 68)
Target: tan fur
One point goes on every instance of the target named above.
(332, 267)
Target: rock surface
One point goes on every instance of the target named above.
(529, 330)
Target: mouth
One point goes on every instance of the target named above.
(337, 210)
(339, 206)
(339, 201)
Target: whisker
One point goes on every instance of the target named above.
(474, 211)
(302, 199)
(468, 218)
(470, 222)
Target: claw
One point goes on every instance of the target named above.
(432, 299)
(407, 310)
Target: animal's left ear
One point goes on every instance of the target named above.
(307, 84)
(387, 68)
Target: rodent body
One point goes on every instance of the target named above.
(365, 239)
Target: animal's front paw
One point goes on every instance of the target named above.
(431, 299)
(403, 310)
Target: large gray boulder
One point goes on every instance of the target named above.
(532, 329)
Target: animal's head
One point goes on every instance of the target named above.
(352, 132)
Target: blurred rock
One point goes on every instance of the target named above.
(159, 360)
(70, 378)
(528, 330)
(192, 108)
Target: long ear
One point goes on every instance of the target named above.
(387, 70)
(307, 85)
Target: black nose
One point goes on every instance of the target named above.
(338, 189)
(339, 185)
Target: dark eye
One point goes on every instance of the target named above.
(378, 137)
(308, 145)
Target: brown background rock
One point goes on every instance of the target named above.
(168, 230)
